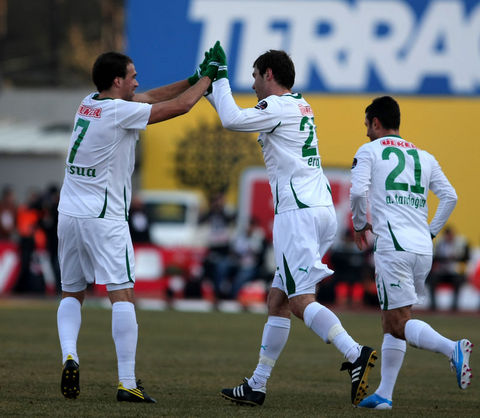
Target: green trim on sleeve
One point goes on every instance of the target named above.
(278, 124)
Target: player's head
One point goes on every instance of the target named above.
(279, 64)
(107, 67)
(386, 110)
(382, 116)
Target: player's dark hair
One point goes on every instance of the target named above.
(107, 67)
(281, 65)
(386, 110)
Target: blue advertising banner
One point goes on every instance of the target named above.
(414, 47)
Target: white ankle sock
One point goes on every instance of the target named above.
(393, 352)
(274, 338)
(125, 335)
(69, 320)
(421, 335)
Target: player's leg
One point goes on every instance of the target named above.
(274, 337)
(111, 253)
(313, 231)
(69, 317)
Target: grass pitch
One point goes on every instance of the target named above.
(184, 359)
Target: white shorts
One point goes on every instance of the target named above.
(400, 278)
(300, 240)
(95, 250)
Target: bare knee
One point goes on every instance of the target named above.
(277, 303)
(394, 321)
(80, 296)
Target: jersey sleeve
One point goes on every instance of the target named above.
(361, 177)
(262, 118)
(442, 188)
(132, 115)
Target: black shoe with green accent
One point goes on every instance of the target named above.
(359, 371)
(244, 395)
(133, 395)
(70, 385)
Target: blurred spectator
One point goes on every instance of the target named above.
(248, 249)
(138, 221)
(450, 258)
(217, 263)
(349, 264)
(8, 214)
(31, 236)
(48, 222)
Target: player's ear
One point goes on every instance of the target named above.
(269, 74)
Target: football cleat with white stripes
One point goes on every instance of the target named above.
(460, 362)
(359, 371)
(244, 395)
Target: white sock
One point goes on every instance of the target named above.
(69, 320)
(125, 335)
(421, 335)
(274, 338)
(393, 352)
(323, 322)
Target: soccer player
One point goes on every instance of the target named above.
(304, 224)
(394, 176)
(94, 238)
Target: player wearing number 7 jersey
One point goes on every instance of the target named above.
(94, 239)
(394, 176)
(304, 224)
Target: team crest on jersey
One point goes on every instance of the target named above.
(90, 112)
(354, 163)
(261, 105)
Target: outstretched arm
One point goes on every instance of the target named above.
(181, 104)
(163, 93)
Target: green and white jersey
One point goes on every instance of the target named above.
(101, 158)
(289, 144)
(396, 176)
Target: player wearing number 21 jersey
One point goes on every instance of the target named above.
(304, 225)
(395, 177)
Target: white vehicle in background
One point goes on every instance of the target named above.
(174, 217)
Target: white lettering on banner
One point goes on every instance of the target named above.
(342, 41)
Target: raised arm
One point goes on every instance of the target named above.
(163, 93)
(181, 104)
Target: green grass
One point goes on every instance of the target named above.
(184, 360)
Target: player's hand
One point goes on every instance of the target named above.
(211, 68)
(360, 237)
(219, 55)
(198, 71)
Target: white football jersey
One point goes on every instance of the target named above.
(101, 158)
(289, 144)
(396, 176)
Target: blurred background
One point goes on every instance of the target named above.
(201, 216)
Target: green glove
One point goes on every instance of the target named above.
(198, 72)
(219, 55)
